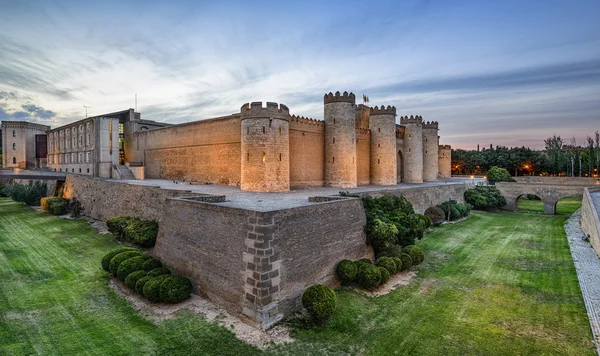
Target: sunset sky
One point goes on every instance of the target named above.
(503, 72)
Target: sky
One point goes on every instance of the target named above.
(505, 72)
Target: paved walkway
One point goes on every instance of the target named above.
(587, 265)
(274, 201)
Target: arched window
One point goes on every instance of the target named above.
(14, 146)
(14, 160)
(14, 133)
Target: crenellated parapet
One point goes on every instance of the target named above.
(362, 133)
(272, 110)
(430, 125)
(339, 98)
(389, 110)
(411, 119)
(301, 120)
(445, 147)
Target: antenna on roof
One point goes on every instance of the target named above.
(86, 107)
(135, 110)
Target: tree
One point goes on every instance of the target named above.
(498, 174)
(554, 147)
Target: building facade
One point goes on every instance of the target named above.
(19, 144)
(94, 146)
(265, 148)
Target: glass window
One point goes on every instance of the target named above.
(14, 133)
(14, 146)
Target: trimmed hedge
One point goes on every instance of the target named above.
(116, 261)
(369, 276)
(407, 261)
(399, 264)
(485, 198)
(320, 302)
(133, 278)
(158, 272)
(139, 285)
(131, 265)
(346, 271)
(106, 259)
(393, 251)
(29, 194)
(385, 275)
(55, 205)
(151, 264)
(135, 230)
(415, 253)
(436, 215)
(152, 288)
(387, 263)
(175, 289)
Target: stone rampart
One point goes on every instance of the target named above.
(590, 218)
(559, 180)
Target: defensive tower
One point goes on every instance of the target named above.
(340, 140)
(445, 161)
(430, 151)
(265, 147)
(413, 149)
(382, 124)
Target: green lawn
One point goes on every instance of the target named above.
(495, 284)
(565, 206)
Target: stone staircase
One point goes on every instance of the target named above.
(124, 172)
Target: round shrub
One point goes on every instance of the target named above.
(346, 271)
(131, 265)
(454, 213)
(385, 276)
(387, 263)
(407, 261)
(141, 232)
(106, 259)
(425, 219)
(133, 278)
(175, 289)
(116, 261)
(369, 276)
(415, 253)
(392, 251)
(159, 272)
(151, 264)
(436, 215)
(399, 263)
(363, 260)
(320, 302)
(152, 288)
(381, 235)
(139, 285)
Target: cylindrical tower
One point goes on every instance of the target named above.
(340, 140)
(445, 161)
(430, 151)
(382, 124)
(265, 148)
(413, 149)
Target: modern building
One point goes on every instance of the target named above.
(95, 146)
(19, 140)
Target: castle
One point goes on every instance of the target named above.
(265, 149)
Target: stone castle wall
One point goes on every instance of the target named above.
(590, 218)
(444, 161)
(382, 125)
(413, 149)
(340, 140)
(363, 156)
(307, 152)
(201, 151)
(430, 152)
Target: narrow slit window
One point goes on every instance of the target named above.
(379, 145)
(264, 158)
(264, 130)
(248, 156)
(334, 121)
(280, 156)
(334, 140)
(379, 129)
(409, 150)
(247, 131)
(280, 131)
(378, 161)
(333, 160)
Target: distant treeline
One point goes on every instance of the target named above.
(560, 158)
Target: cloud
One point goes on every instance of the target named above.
(30, 112)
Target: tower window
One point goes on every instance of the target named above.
(379, 145)
(248, 157)
(425, 151)
(378, 161)
(409, 150)
(247, 131)
(280, 156)
(334, 140)
(280, 131)
(14, 160)
(14, 133)
(409, 136)
(379, 129)
(264, 130)
(333, 122)
(14, 146)
(333, 160)
(425, 139)
(264, 158)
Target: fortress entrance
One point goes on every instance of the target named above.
(399, 167)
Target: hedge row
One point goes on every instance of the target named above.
(146, 275)
(368, 275)
(454, 210)
(135, 230)
(485, 198)
(29, 194)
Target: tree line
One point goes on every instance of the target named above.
(559, 158)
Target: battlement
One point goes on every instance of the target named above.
(411, 120)
(306, 121)
(390, 110)
(360, 130)
(272, 111)
(430, 125)
(339, 98)
(445, 147)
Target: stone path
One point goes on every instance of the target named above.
(587, 265)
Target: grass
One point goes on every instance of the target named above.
(565, 206)
(495, 284)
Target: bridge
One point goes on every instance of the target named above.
(31, 174)
(549, 190)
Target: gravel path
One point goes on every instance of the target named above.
(587, 265)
